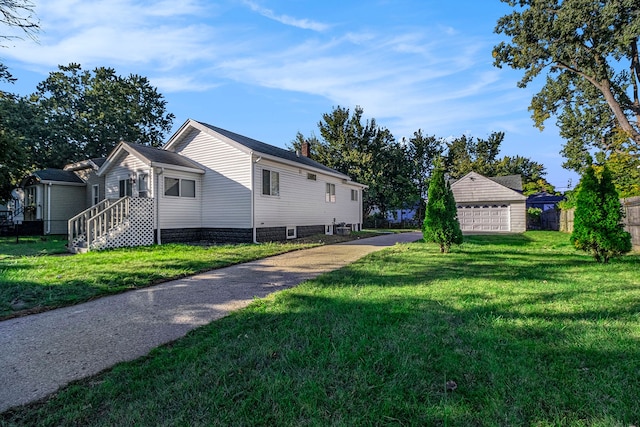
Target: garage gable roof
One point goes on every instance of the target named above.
(475, 188)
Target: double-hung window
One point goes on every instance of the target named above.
(176, 187)
(354, 195)
(330, 193)
(270, 183)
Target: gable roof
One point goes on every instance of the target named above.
(249, 144)
(474, 187)
(45, 176)
(151, 156)
(513, 182)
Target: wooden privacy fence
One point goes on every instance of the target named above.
(631, 207)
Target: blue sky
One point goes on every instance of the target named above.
(268, 69)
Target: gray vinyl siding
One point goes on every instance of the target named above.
(302, 201)
(519, 216)
(226, 183)
(64, 205)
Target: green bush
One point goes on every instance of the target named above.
(597, 226)
(441, 218)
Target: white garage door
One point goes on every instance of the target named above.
(484, 217)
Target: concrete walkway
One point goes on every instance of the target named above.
(43, 352)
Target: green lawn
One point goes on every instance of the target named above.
(32, 246)
(531, 331)
(35, 283)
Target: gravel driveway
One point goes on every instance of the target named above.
(43, 352)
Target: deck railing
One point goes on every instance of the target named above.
(97, 221)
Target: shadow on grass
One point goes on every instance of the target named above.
(323, 359)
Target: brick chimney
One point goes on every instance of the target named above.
(306, 149)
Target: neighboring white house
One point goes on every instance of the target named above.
(208, 183)
(493, 204)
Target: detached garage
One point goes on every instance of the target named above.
(493, 205)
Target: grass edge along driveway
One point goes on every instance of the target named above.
(505, 330)
(30, 284)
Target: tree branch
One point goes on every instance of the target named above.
(635, 76)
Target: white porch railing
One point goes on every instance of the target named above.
(96, 222)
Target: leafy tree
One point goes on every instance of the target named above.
(366, 152)
(466, 154)
(14, 159)
(423, 152)
(597, 226)
(16, 14)
(590, 49)
(85, 114)
(441, 220)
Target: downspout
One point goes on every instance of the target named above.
(156, 193)
(360, 214)
(253, 209)
(48, 209)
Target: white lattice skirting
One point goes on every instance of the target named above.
(137, 230)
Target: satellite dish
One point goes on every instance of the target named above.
(17, 194)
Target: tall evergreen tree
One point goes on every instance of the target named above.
(441, 219)
(597, 226)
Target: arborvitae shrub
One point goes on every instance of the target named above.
(597, 224)
(441, 218)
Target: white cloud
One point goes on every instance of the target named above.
(305, 24)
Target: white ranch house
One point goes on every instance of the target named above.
(207, 183)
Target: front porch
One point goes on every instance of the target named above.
(113, 223)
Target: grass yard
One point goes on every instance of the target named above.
(531, 332)
(32, 246)
(34, 283)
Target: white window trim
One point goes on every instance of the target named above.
(330, 196)
(180, 196)
(295, 232)
(271, 173)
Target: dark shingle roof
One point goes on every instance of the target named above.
(99, 161)
(57, 175)
(270, 150)
(513, 182)
(544, 197)
(158, 155)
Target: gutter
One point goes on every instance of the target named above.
(253, 196)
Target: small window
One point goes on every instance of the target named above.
(171, 187)
(143, 185)
(187, 188)
(354, 195)
(311, 176)
(126, 188)
(95, 194)
(175, 187)
(330, 193)
(270, 183)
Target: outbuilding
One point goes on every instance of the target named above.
(490, 205)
